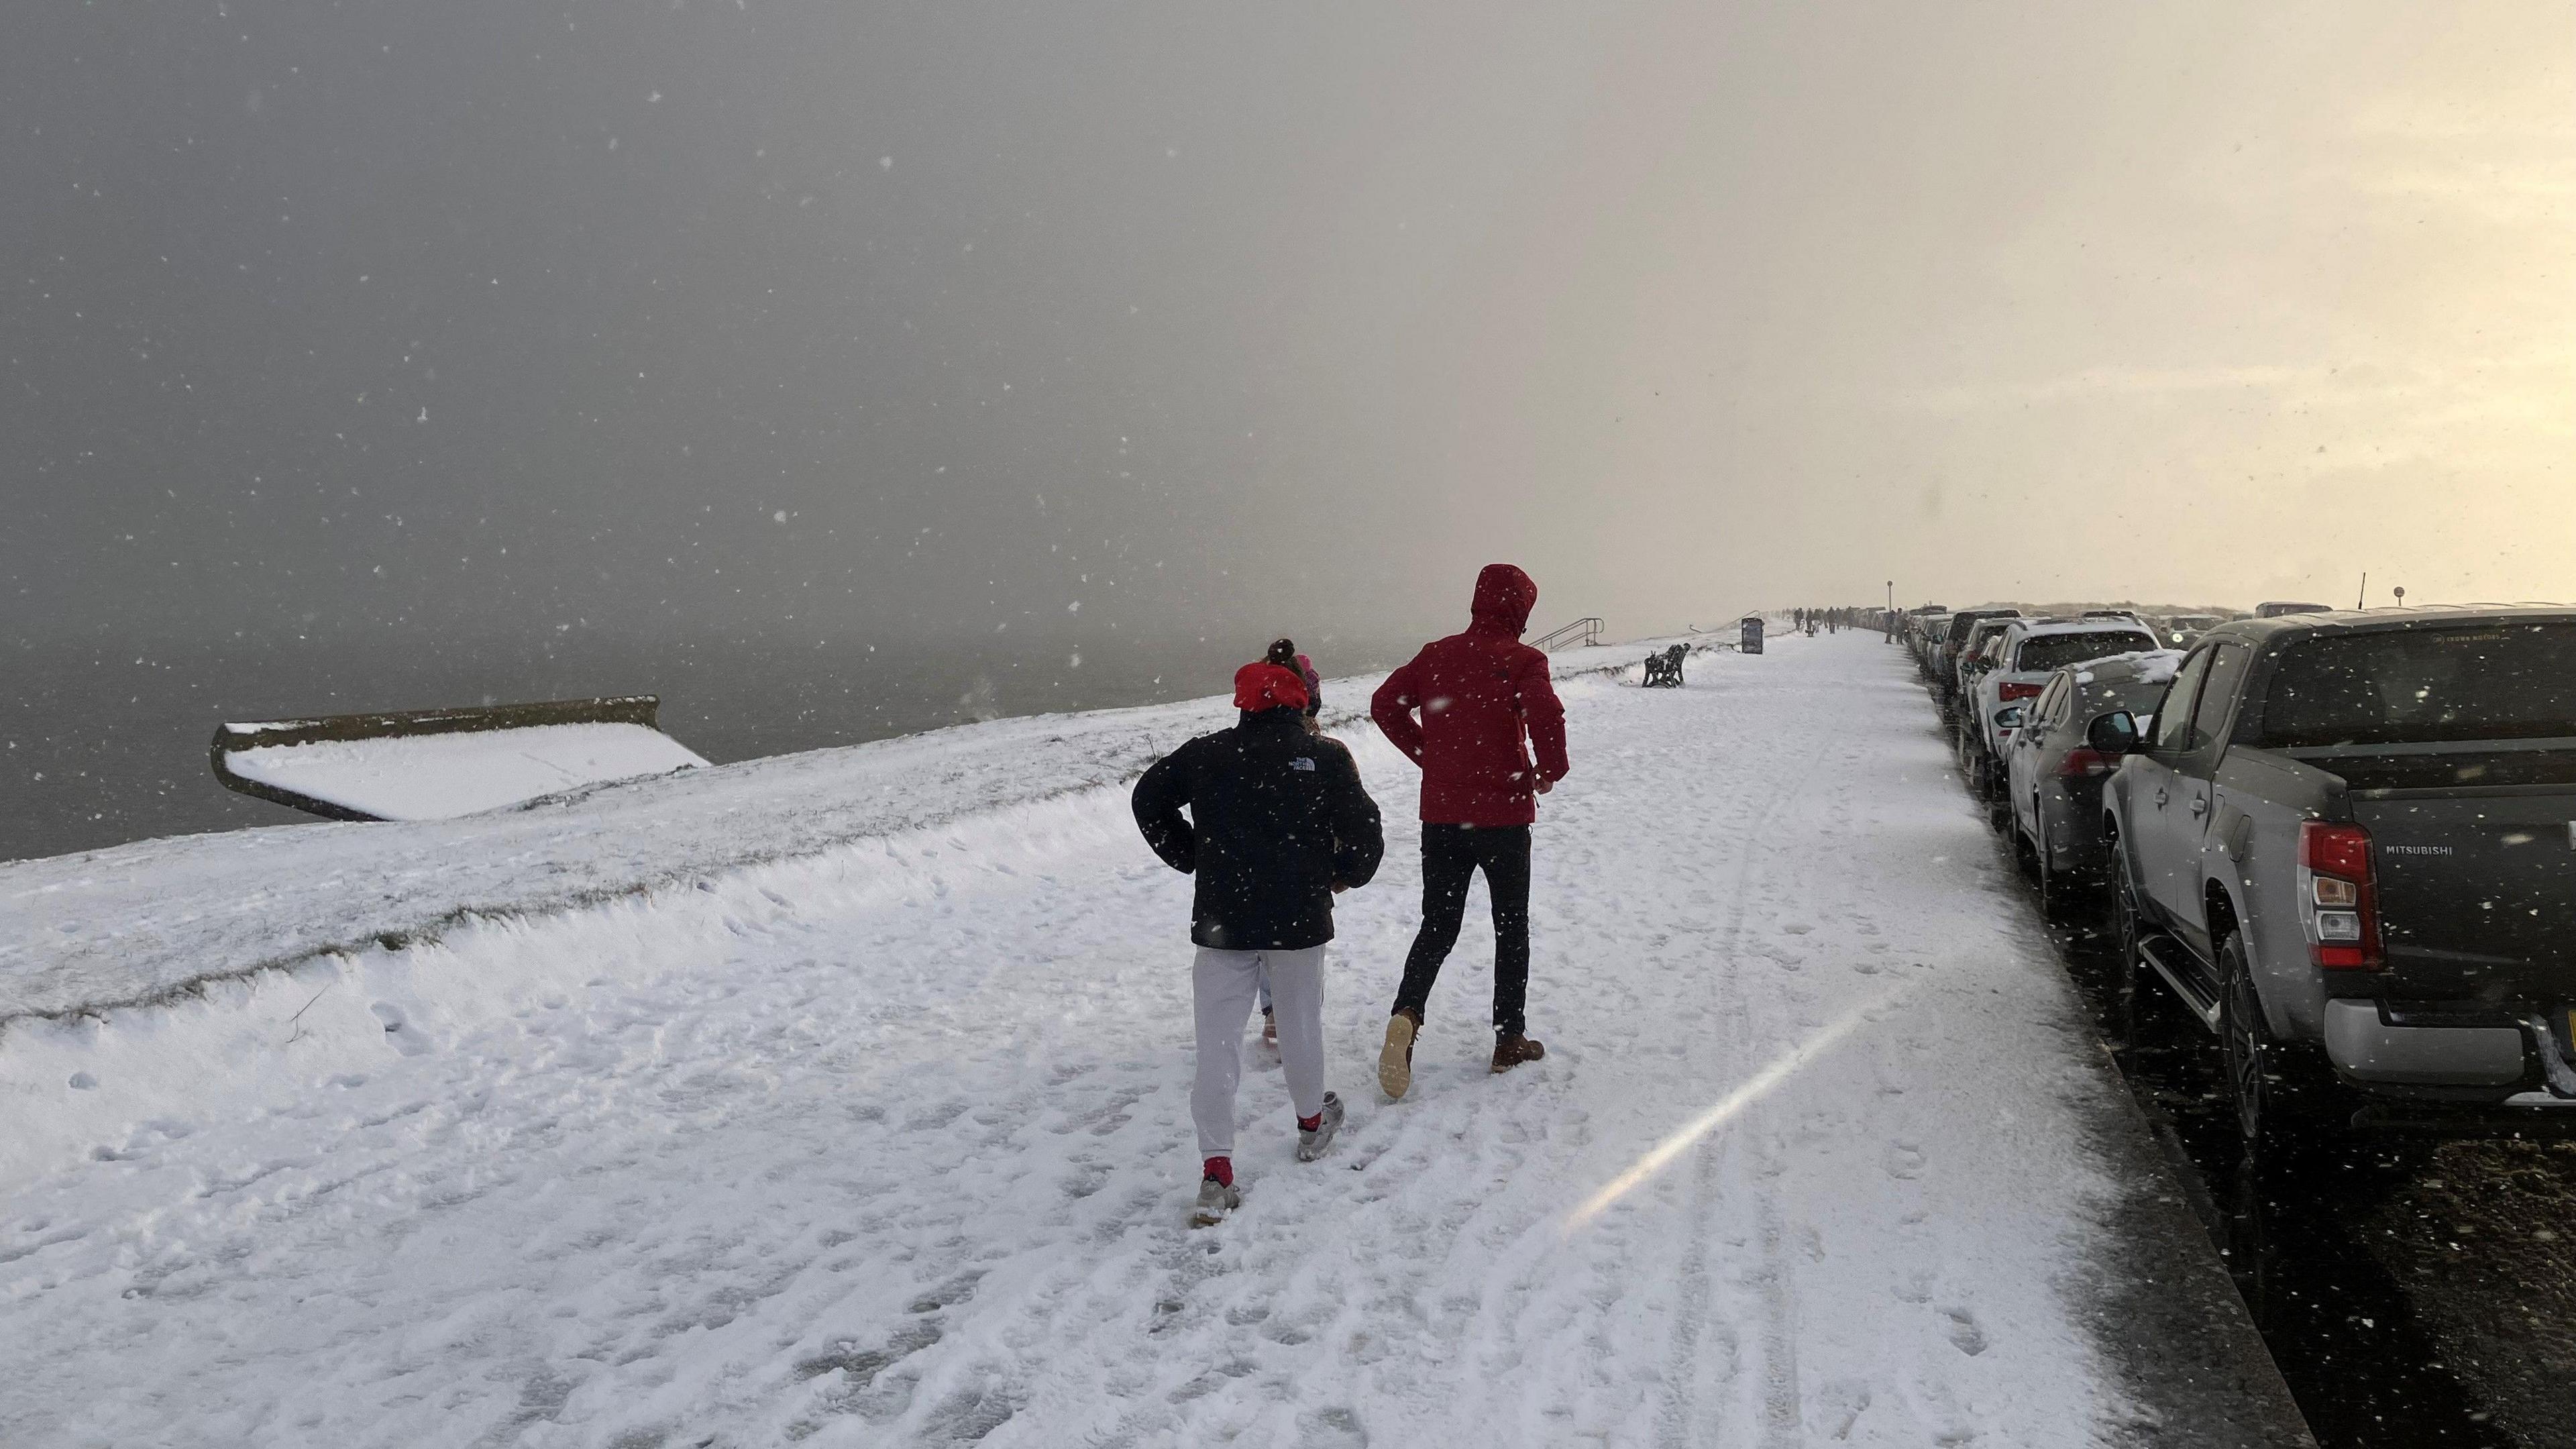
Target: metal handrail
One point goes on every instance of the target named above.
(1584, 633)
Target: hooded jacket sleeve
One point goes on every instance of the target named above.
(1359, 842)
(1392, 709)
(1545, 715)
(1157, 800)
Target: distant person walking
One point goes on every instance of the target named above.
(1481, 697)
(1283, 652)
(1278, 821)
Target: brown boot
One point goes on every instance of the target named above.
(1395, 1059)
(1511, 1049)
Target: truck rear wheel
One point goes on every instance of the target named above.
(2283, 1093)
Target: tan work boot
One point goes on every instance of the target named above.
(1512, 1049)
(1395, 1059)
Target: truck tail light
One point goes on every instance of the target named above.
(2339, 897)
(2011, 692)
(2082, 761)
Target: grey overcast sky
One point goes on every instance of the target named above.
(481, 317)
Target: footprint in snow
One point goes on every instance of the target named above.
(400, 1034)
(1904, 1160)
(949, 1294)
(1963, 1333)
(1332, 1426)
(1843, 1402)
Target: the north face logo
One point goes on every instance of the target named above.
(1301, 763)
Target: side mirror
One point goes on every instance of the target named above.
(2113, 734)
(2008, 718)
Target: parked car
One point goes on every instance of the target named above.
(1963, 659)
(2344, 843)
(2025, 652)
(2184, 630)
(2053, 776)
(2279, 609)
(1925, 636)
(1945, 659)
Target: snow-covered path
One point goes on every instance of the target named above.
(891, 1146)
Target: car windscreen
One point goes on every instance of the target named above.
(2056, 651)
(2481, 682)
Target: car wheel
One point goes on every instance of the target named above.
(2140, 1013)
(2281, 1093)
(2056, 892)
(2022, 857)
(2245, 1040)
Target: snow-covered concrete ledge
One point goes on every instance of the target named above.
(437, 764)
(888, 1144)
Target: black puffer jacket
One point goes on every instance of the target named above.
(1278, 817)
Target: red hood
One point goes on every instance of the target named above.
(1504, 598)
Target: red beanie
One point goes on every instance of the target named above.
(1268, 686)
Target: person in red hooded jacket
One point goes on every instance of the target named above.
(1468, 709)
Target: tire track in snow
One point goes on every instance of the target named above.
(1692, 1302)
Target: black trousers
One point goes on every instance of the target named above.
(1451, 856)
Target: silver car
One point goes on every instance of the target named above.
(2025, 652)
(2053, 777)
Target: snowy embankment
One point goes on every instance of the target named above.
(137, 922)
(889, 1144)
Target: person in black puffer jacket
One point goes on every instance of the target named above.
(1278, 822)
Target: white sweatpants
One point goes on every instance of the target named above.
(1224, 985)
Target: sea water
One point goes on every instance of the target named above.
(105, 743)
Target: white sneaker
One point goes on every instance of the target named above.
(1216, 1199)
(1311, 1145)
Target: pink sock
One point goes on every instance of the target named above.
(1310, 1124)
(1219, 1168)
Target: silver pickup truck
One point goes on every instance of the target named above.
(2348, 845)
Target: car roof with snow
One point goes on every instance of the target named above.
(2146, 666)
(2031, 627)
(2421, 616)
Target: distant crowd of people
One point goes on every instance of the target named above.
(1278, 822)
(1834, 621)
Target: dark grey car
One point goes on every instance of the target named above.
(2347, 844)
(2053, 777)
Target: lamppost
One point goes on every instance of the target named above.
(1891, 609)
